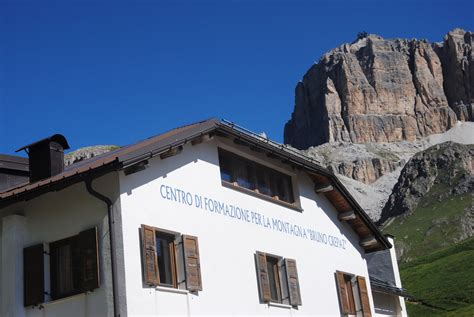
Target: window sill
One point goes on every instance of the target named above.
(250, 192)
(172, 290)
(279, 305)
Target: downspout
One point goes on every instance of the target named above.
(108, 202)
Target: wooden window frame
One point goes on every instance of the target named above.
(271, 178)
(275, 262)
(53, 247)
(84, 265)
(281, 279)
(345, 283)
(181, 257)
(172, 261)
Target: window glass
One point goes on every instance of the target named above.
(165, 258)
(73, 268)
(283, 189)
(349, 293)
(73, 264)
(226, 167)
(65, 281)
(64, 267)
(277, 279)
(273, 277)
(170, 259)
(263, 182)
(250, 175)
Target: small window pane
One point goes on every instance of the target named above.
(284, 189)
(350, 294)
(253, 176)
(65, 267)
(245, 174)
(165, 258)
(273, 277)
(285, 296)
(225, 163)
(65, 274)
(263, 183)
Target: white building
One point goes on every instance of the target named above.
(206, 219)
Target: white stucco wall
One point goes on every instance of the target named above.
(387, 305)
(227, 245)
(59, 215)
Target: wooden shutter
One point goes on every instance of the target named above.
(89, 260)
(262, 275)
(150, 264)
(33, 275)
(192, 264)
(341, 286)
(364, 296)
(293, 283)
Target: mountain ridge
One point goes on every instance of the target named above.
(377, 90)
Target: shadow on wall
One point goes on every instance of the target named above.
(160, 168)
(321, 202)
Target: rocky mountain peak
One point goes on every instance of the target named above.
(86, 153)
(378, 90)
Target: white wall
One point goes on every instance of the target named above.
(62, 214)
(227, 245)
(387, 305)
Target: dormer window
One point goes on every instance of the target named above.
(260, 179)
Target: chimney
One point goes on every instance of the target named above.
(46, 157)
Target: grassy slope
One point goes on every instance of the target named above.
(443, 279)
(434, 224)
(435, 268)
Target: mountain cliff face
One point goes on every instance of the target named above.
(449, 167)
(432, 203)
(377, 90)
(456, 57)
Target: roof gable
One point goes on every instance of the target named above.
(326, 182)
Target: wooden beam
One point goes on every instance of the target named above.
(367, 242)
(323, 188)
(140, 166)
(202, 138)
(348, 215)
(172, 152)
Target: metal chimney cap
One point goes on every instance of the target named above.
(58, 138)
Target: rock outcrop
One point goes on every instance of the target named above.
(449, 165)
(371, 170)
(458, 71)
(377, 90)
(86, 153)
(365, 163)
(366, 171)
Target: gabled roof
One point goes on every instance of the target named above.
(161, 144)
(16, 163)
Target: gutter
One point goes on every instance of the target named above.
(109, 204)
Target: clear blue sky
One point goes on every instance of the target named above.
(116, 72)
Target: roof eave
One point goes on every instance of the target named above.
(308, 164)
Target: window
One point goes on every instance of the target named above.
(73, 269)
(165, 255)
(353, 296)
(170, 259)
(260, 179)
(277, 279)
